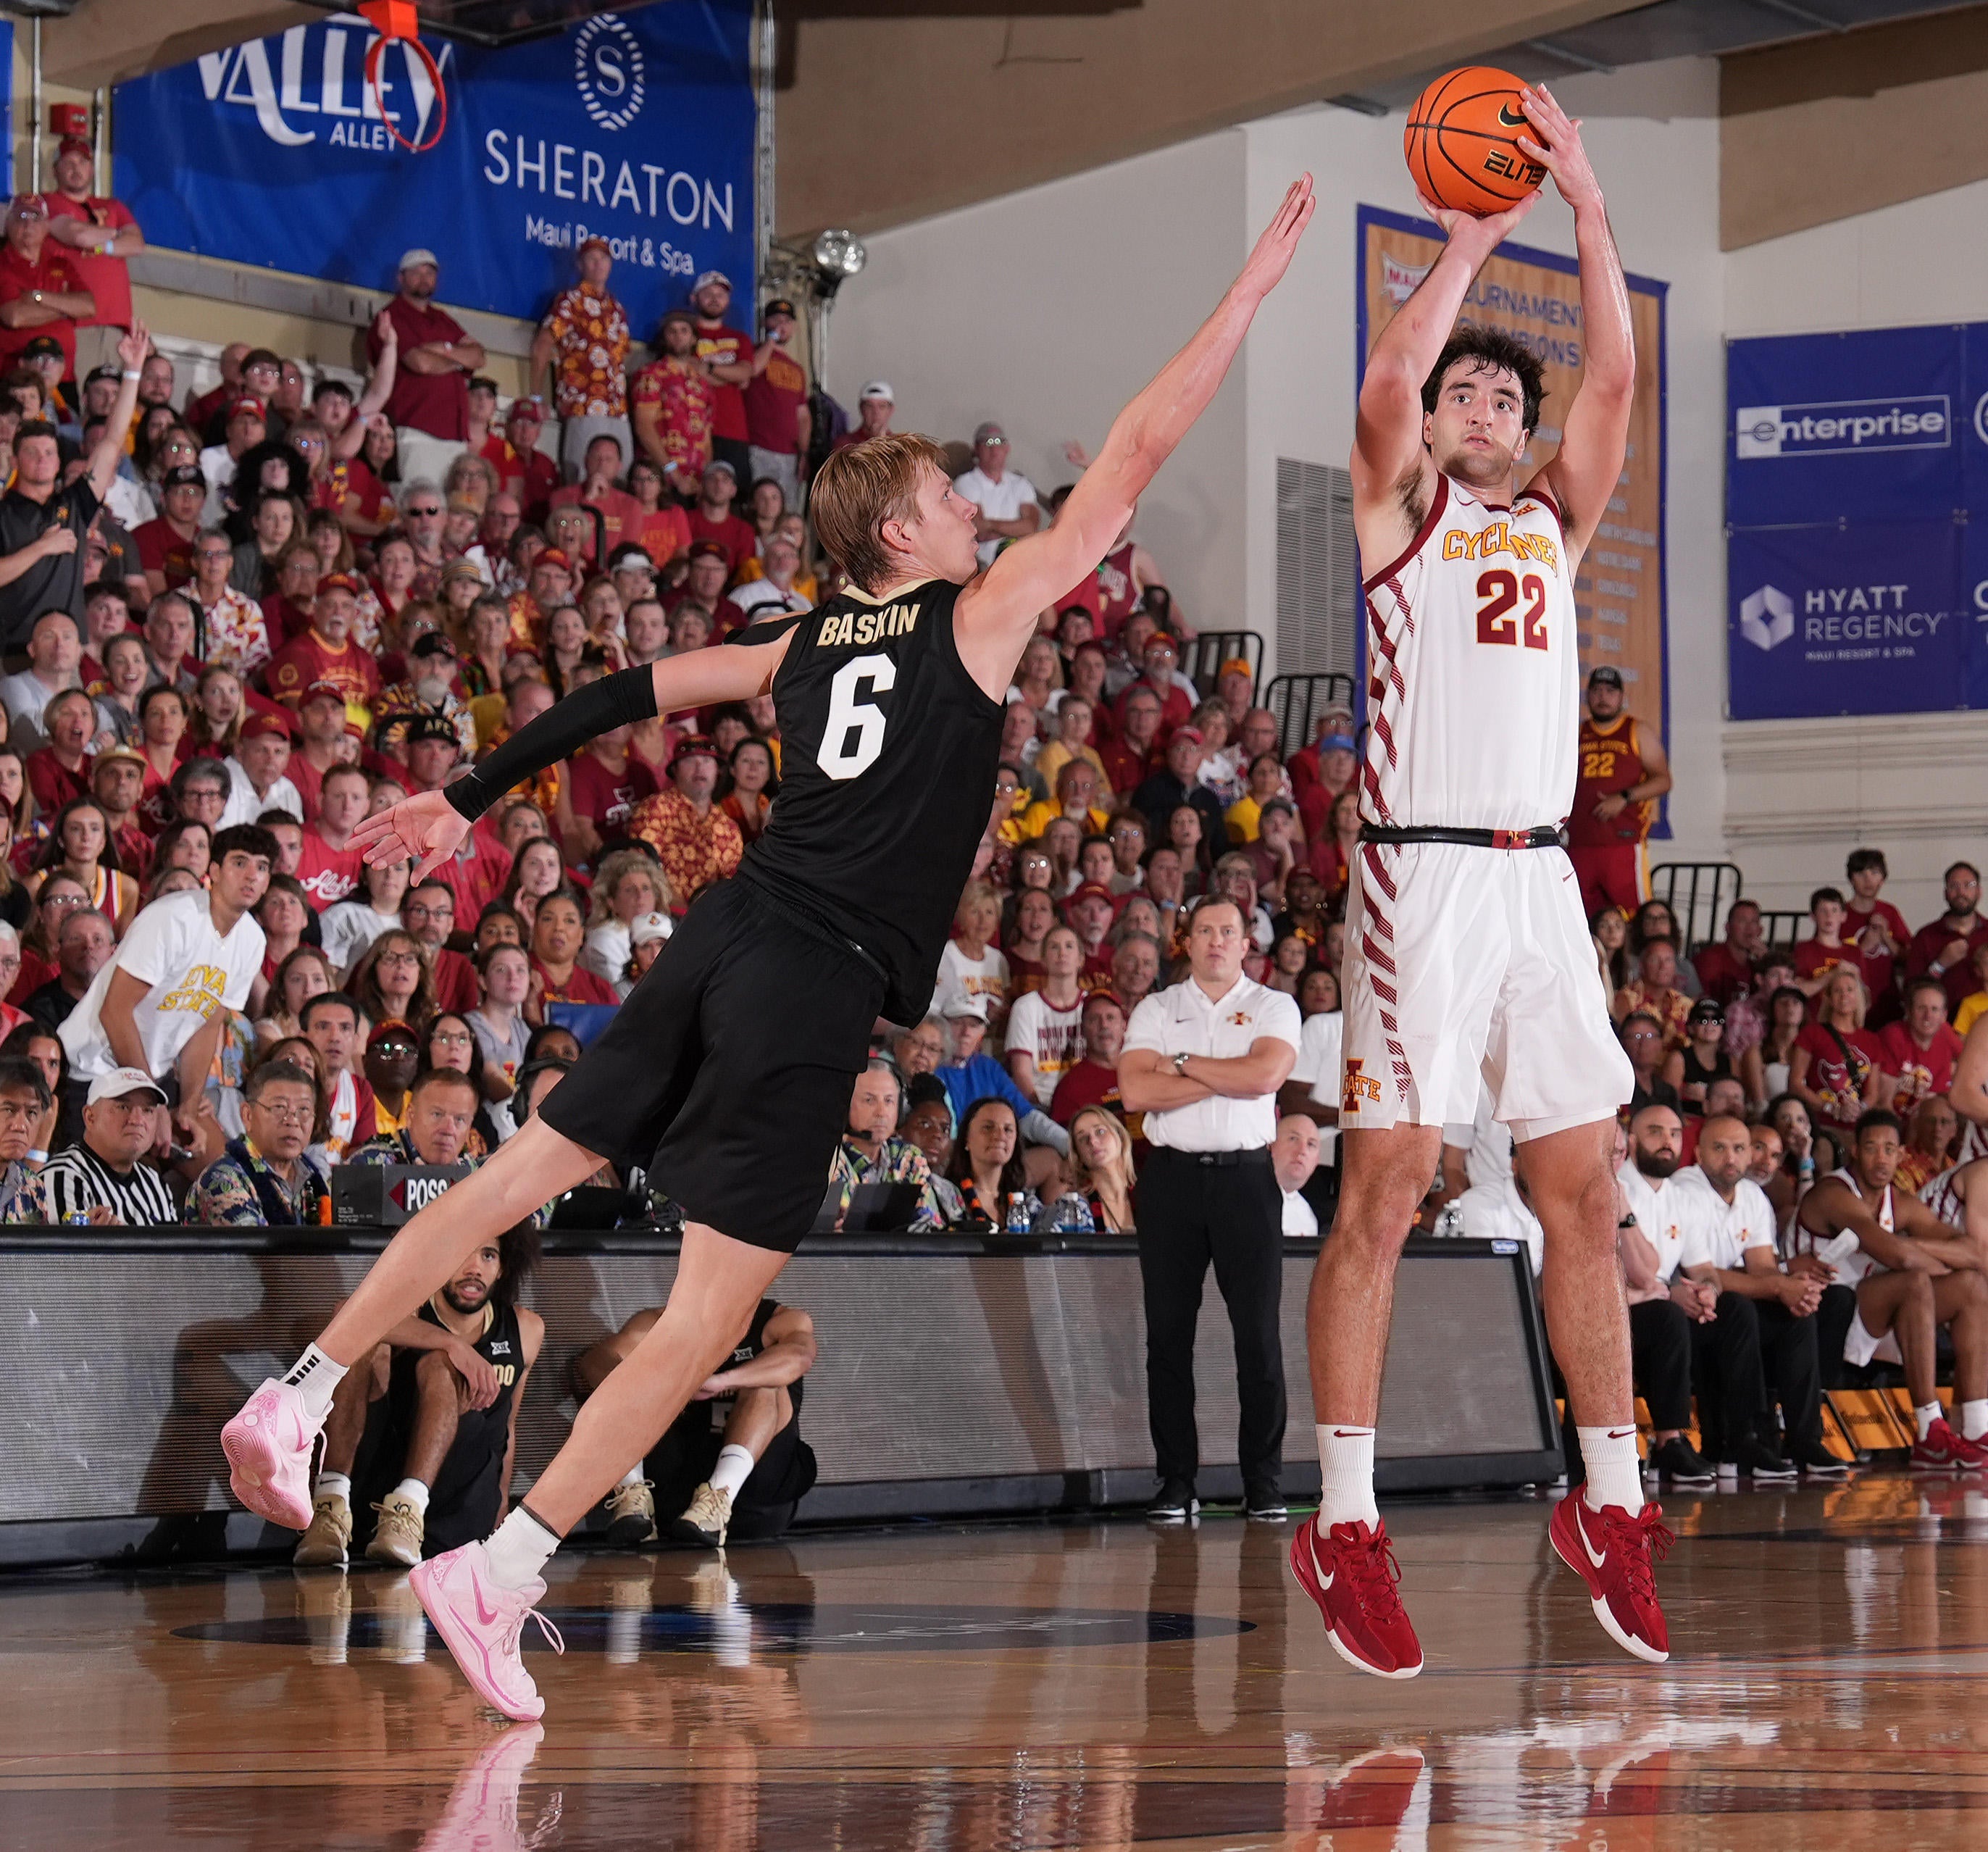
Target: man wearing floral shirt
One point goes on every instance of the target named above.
(870, 1151)
(230, 628)
(696, 842)
(263, 1179)
(584, 339)
(674, 405)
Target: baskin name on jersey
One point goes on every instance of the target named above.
(867, 626)
(1842, 427)
(1499, 537)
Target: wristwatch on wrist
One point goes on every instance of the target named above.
(1180, 1064)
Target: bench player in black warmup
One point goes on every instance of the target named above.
(731, 1062)
(733, 1463)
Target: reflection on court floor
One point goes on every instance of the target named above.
(1049, 1686)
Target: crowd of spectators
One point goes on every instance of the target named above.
(240, 620)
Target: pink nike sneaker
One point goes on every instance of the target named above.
(483, 1808)
(480, 1624)
(269, 1447)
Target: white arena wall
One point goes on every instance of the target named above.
(1072, 293)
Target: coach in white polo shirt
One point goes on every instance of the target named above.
(1203, 1061)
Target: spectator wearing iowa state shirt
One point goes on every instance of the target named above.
(321, 742)
(429, 912)
(99, 236)
(166, 545)
(779, 425)
(1877, 929)
(1917, 1053)
(429, 406)
(522, 467)
(704, 590)
(621, 514)
(41, 292)
(326, 652)
(329, 867)
(727, 354)
(1726, 968)
(1093, 1079)
(1944, 948)
(597, 797)
(1817, 956)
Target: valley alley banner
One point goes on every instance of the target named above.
(1535, 295)
(638, 129)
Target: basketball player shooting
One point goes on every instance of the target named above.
(731, 1060)
(1465, 949)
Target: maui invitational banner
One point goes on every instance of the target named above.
(1535, 295)
(639, 129)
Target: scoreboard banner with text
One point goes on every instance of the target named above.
(638, 129)
(1536, 295)
(1857, 510)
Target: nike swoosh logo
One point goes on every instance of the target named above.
(487, 1616)
(1324, 1580)
(1580, 1523)
(1512, 118)
(1620, 1434)
(1348, 1434)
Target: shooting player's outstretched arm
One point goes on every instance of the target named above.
(1595, 437)
(997, 614)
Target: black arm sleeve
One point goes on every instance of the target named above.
(615, 701)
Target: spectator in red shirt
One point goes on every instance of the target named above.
(521, 466)
(728, 356)
(1818, 955)
(103, 237)
(429, 406)
(1159, 659)
(1917, 1053)
(559, 933)
(1878, 931)
(1944, 949)
(1129, 755)
(712, 520)
(321, 745)
(1837, 1064)
(40, 292)
(1726, 969)
(429, 913)
(621, 514)
(597, 796)
(1093, 1079)
(326, 652)
(329, 867)
(779, 425)
(704, 590)
(58, 773)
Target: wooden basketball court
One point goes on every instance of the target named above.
(1006, 1688)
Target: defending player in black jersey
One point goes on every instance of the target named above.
(731, 1060)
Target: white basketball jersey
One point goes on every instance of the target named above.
(1853, 1266)
(1473, 690)
(1940, 1196)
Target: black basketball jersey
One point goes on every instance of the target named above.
(698, 1416)
(887, 752)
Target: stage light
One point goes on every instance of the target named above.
(839, 255)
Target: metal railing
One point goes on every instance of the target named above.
(1700, 894)
(1201, 661)
(1297, 700)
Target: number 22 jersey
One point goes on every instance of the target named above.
(1473, 691)
(889, 748)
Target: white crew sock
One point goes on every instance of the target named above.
(634, 1475)
(315, 1376)
(1925, 1417)
(734, 1467)
(1973, 1419)
(333, 1485)
(1614, 1474)
(414, 1493)
(518, 1549)
(1345, 1473)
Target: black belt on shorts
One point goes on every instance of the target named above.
(1541, 836)
(1216, 1161)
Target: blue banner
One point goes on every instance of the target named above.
(1846, 619)
(637, 128)
(1974, 606)
(1863, 426)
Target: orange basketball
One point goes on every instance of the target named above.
(1463, 145)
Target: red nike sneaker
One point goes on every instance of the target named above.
(1944, 1450)
(1350, 1571)
(1611, 1551)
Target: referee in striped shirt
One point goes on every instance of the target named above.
(102, 1181)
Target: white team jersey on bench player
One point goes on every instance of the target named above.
(1474, 673)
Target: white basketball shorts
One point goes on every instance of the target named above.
(1462, 961)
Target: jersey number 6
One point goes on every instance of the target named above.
(854, 734)
(1500, 591)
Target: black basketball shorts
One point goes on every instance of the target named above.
(727, 1072)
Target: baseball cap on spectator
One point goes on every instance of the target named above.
(975, 1005)
(1336, 742)
(631, 556)
(594, 244)
(28, 205)
(1239, 664)
(392, 1029)
(1086, 891)
(252, 406)
(120, 1081)
(720, 463)
(710, 276)
(692, 745)
(699, 549)
(1607, 674)
(45, 346)
(321, 690)
(105, 372)
(430, 726)
(257, 725)
(333, 582)
(778, 306)
(187, 475)
(75, 145)
(554, 556)
(434, 643)
(879, 389)
(1160, 640)
(528, 405)
(419, 255)
(1707, 1010)
(1192, 733)
(643, 928)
